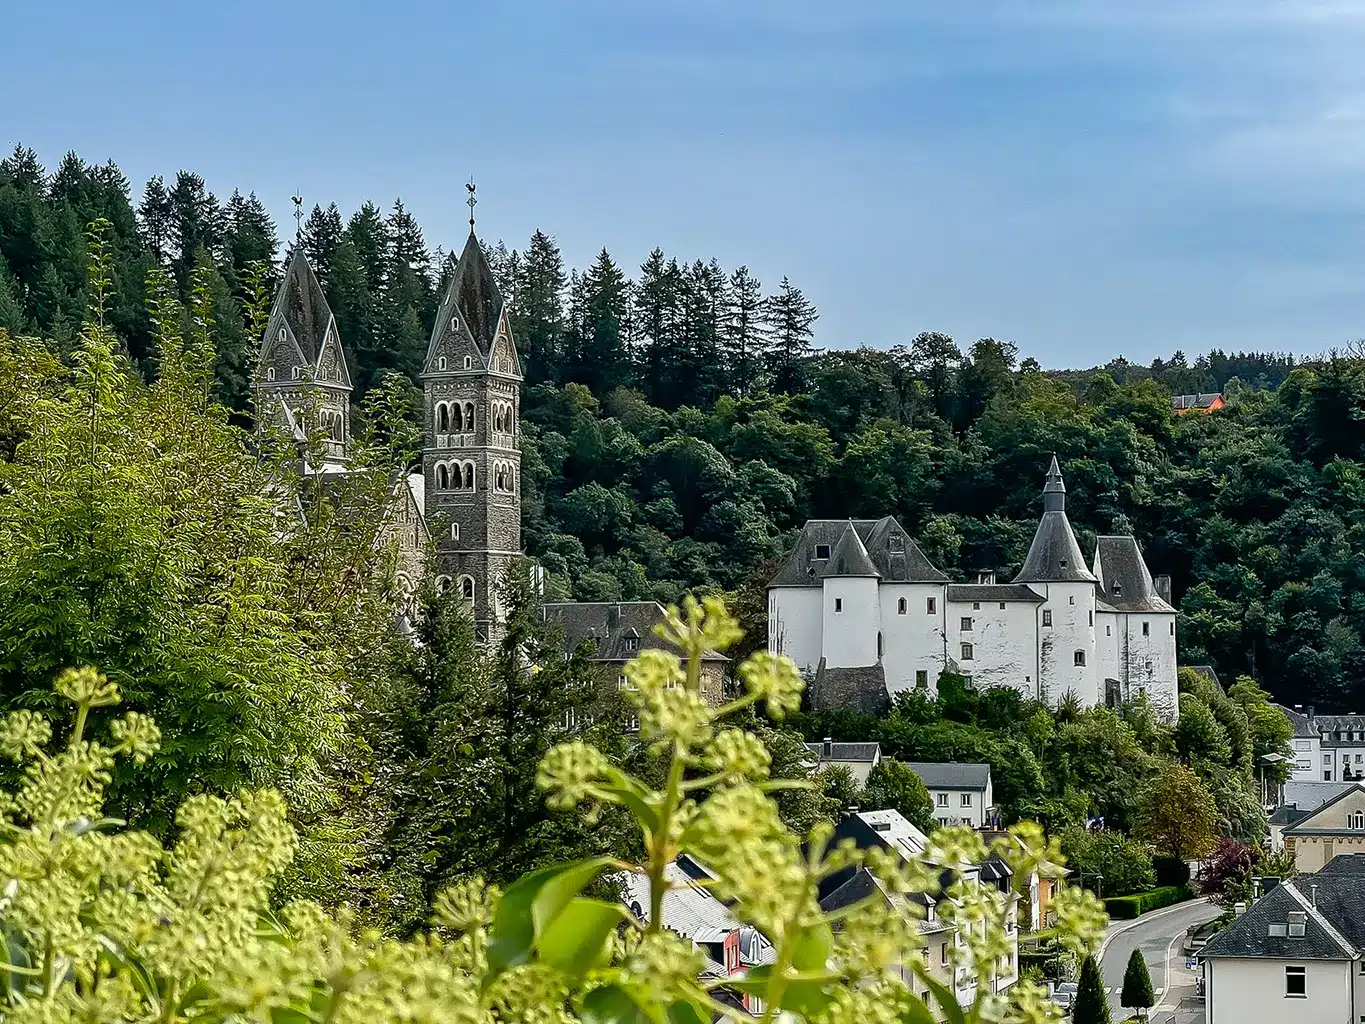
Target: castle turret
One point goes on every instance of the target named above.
(1055, 569)
(852, 610)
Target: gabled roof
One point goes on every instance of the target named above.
(895, 556)
(1054, 556)
(973, 592)
(850, 557)
(609, 625)
(1125, 582)
(1344, 864)
(868, 752)
(1198, 401)
(1310, 795)
(301, 305)
(1305, 826)
(950, 775)
(1333, 909)
(473, 296)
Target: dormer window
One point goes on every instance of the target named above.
(284, 335)
(454, 323)
(1117, 589)
(896, 545)
(632, 643)
(822, 551)
(1063, 563)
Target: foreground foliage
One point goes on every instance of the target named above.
(107, 925)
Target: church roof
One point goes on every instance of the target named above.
(303, 307)
(850, 557)
(895, 556)
(615, 630)
(1054, 556)
(473, 294)
(1124, 581)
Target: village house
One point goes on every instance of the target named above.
(1335, 827)
(858, 758)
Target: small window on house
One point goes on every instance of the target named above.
(621, 682)
(467, 588)
(896, 545)
(468, 362)
(921, 679)
(1078, 658)
(1002, 606)
(822, 551)
(1047, 618)
(966, 799)
(966, 652)
(879, 643)
(297, 370)
(632, 643)
(943, 949)
(900, 606)
(966, 624)
(1357, 820)
(1063, 563)
(976, 606)
(1172, 629)
(1298, 919)
(942, 799)
(838, 604)
(270, 373)
(441, 363)
(1092, 618)
(1146, 629)
(930, 605)
(1295, 983)
(1108, 630)
(1071, 599)
(454, 531)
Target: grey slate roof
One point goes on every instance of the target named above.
(1125, 582)
(846, 751)
(1344, 864)
(852, 689)
(473, 292)
(1286, 814)
(849, 557)
(879, 537)
(612, 625)
(993, 592)
(940, 775)
(303, 307)
(1054, 556)
(1334, 928)
(1303, 727)
(1304, 825)
(1309, 796)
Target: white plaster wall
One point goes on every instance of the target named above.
(1251, 991)
(1004, 643)
(1108, 629)
(1072, 606)
(795, 624)
(975, 815)
(1307, 750)
(912, 642)
(850, 634)
(1147, 664)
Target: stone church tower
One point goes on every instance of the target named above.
(471, 458)
(303, 384)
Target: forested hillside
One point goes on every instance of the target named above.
(681, 420)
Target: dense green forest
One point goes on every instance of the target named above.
(681, 420)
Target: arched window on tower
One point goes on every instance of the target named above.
(467, 588)
(442, 584)
(468, 362)
(441, 363)
(469, 476)
(442, 417)
(1078, 658)
(442, 477)
(900, 606)
(469, 416)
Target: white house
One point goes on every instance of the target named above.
(862, 610)
(1309, 765)
(858, 758)
(961, 793)
(1296, 954)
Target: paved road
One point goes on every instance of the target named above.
(1161, 939)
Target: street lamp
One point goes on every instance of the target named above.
(1099, 879)
(1269, 761)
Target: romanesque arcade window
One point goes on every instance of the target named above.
(467, 588)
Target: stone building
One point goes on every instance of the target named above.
(862, 610)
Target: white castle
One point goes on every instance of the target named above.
(860, 608)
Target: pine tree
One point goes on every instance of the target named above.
(601, 358)
(154, 216)
(744, 343)
(1137, 984)
(12, 316)
(539, 310)
(321, 236)
(789, 317)
(196, 223)
(1092, 1005)
(250, 238)
(407, 306)
(696, 368)
(656, 314)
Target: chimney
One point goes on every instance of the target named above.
(613, 617)
(1313, 895)
(1310, 710)
(1163, 588)
(1238, 909)
(829, 748)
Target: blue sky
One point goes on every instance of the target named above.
(1086, 178)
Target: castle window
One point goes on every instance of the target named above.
(467, 588)
(930, 605)
(442, 417)
(900, 606)
(1146, 629)
(454, 531)
(838, 604)
(441, 363)
(469, 415)
(456, 418)
(297, 370)
(921, 679)
(976, 606)
(468, 362)
(1047, 617)
(1172, 629)
(966, 624)
(454, 323)
(270, 373)
(822, 551)
(1092, 618)
(442, 584)
(1078, 658)
(966, 652)
(284, 335)
(442, 478)
(469, 476)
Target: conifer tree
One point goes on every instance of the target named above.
(407, 306)
(601, 358)
(656, 312)
(789, 317)
(12, 316)
(196, 223)
(539, 310)
(250, 238)
(1137, 985)
(1092, 1005)
(154, 218)
(742, 334)
(321, 236)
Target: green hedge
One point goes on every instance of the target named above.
(1124, 907)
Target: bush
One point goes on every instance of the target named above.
(1128, 907)
(1171, 871)
(1125, 864)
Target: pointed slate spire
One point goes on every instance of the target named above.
(1054, 556)
(303, 306)
(850, 557)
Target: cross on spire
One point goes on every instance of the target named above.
(472, 202)
(298, 217)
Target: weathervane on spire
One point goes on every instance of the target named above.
(298, 217)
(472, 201)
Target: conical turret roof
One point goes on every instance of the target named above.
(1054, 556)
(850, 557)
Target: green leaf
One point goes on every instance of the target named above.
(528, 907)
(685, 1011)
(635, 797)
(805, 996)
(611, 1004)
(576, 940)
(943, 995)
(811, 947)
(917, 1012)
(289, 1015)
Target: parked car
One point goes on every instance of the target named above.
(1064, 994)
